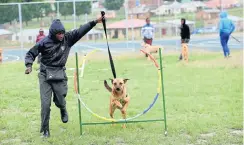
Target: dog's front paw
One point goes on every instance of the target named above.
(123, 110)
(123, 126)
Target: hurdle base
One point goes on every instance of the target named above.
(118, 122)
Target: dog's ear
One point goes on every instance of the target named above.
(125, 80)
(111, 80)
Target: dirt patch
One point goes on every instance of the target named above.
(201, 141)
(11, 110)
(3, 131)
(208, 135)
(237, 132)
(188, 136)
(235, 61)
(11, 141)
(120, 141)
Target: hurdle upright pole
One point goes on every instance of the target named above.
(162, 87)
(78, 88)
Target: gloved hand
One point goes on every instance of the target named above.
(28, 70)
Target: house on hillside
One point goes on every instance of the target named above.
(109, 14)
(93, 34)
(149, 3)
(168, 8)
(117, 30)
(209, 17)
(139, 12)
(192, 6)
(238, 21)
(172, 27)
(217, 3)
(5, 34)
(28, 35)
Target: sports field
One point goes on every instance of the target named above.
(203, 102)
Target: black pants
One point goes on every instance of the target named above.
(47, 88)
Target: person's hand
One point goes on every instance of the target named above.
(99, 20)
(28, 70)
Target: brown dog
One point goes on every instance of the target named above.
(184, 52)
(119, 98)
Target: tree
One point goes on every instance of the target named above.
(40, 10)
(66, 9)
(83, 8)
(27, 13)
(8, 13)
(113, 4)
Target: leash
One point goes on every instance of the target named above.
(109, 53)
(235, 39)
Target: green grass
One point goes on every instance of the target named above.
(200, 100)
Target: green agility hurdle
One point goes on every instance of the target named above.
(128, 120)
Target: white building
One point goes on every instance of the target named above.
(28, 35)
(168, 8)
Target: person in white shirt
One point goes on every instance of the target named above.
(147, 32)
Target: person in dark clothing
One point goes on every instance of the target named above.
(185, 33)
(55, 49)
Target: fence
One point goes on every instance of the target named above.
(20, 22)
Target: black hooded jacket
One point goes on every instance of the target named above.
(185, 31)
(54, 52)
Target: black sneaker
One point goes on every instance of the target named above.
(46, 134)
(64, 115)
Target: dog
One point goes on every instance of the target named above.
(184, 51)
(150, 49)
(119, 98)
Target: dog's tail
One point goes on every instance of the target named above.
(107, 86)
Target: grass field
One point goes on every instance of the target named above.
(203, 103)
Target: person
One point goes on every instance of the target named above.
(185, 34)
(40, 36)
(226, 27)
(147, 32)
(55, 49)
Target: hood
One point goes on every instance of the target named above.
(223, 15)
(55, 28)
(184, 21)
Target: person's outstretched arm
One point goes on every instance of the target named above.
(77, 34)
